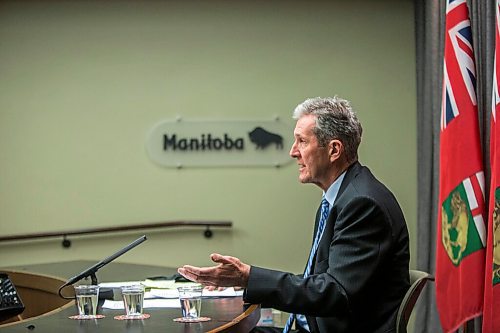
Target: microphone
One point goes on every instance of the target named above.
(92, 270)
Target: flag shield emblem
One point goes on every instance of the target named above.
(496, 238)
(460, 236)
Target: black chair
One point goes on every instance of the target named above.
(418, 279)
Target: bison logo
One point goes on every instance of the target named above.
(263, 138)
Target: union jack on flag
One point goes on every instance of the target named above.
(496, 68)
(459, 81)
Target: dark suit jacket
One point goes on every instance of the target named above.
(360, 272)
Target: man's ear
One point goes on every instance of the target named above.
(335, 149)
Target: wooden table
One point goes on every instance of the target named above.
(46, 312)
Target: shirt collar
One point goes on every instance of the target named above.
(331, 194)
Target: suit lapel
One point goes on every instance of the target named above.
(351, 173)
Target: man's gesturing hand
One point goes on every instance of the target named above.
(230, 272)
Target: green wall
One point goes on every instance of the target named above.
(83, 82)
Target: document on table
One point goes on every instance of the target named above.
(163, 294)
(148, 304)
(172, 293)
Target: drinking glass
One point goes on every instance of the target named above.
(133, 300)
(190, 299)
(86, 300)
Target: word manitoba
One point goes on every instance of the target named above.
(204, 142)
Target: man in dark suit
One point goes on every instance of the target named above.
(357, 274)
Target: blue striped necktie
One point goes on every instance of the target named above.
(325, 210)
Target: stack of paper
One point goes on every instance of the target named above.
(163, 294)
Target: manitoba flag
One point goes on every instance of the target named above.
(491, 322)
(460, 248)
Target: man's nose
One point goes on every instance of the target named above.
(293, 150)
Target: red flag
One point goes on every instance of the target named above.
(460, 250)
(491, 323)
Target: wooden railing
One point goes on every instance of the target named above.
(67, 243)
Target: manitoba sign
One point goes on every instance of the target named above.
(190, 143)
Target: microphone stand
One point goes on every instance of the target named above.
(91, 271)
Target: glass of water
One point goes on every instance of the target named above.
(86, 301)
(190, 298)
(133, 300)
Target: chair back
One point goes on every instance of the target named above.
(418, 279)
